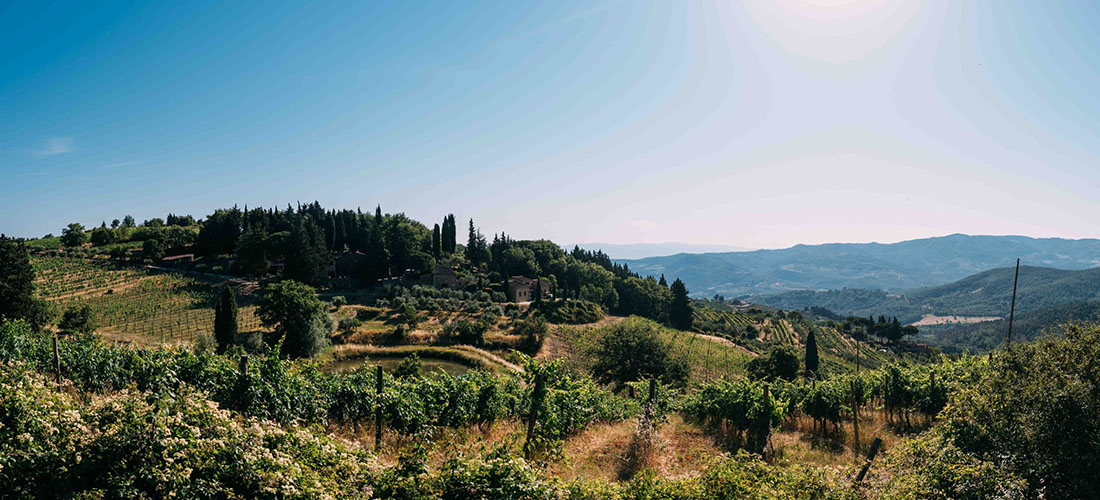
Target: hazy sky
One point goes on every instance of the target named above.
(759, 124)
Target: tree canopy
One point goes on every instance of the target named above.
(298, 317)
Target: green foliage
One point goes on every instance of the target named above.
(643, 297)
(408, 367)
(779, 362)
(679, 310)
(467, 332)
(253, 252)
(570, 311)
(152, 249)
(740, 405)
(155, 445)
(811, 360)
(533, 331)
(298, 317)
(410, 316)
(1033, 414)
(496, 478)
(305, 255)
(205, 343)
(632, 350)
(299, 392)
(932, 467)
(102, 236)
(17, 300)
(73, 235)
(225, 320)
(78, 319)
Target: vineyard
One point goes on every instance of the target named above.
(58, 278)
(757, 330)
(135, 303)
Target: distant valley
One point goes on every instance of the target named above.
(891, 267)
(984, 294)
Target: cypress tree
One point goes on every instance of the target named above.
(473, 245)
(225, 320)
(436, 243)
(811, 360)
(680, 314)
(449, 236)
(663, 282)
(17, 300)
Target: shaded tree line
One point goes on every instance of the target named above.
(305, 238)
(889, 329)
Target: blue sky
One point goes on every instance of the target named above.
(758, 124)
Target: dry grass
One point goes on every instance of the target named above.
(796, 442)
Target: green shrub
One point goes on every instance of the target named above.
(467, 332)
(632, 350)
(1033, 413)
(780, 362)
(78, 319)
(408, 367)
(570, 311)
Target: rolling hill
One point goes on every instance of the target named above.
(891, 267)
(987, 294)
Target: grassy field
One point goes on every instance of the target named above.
(710, 357)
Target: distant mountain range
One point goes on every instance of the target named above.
(643, 250)
(873, 266)
(986, 294)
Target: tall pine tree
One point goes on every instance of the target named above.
(679, 310)
(17, 300)
(811, 360)
(225, 320)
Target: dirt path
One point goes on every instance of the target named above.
(553, 347)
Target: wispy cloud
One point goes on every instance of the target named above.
(55, 146)
(120, 164)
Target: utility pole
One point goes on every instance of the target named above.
(1012, 310)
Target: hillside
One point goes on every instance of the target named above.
(988, 335)
(984, 294)
(891, 267)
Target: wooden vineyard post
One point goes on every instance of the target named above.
(649, 407)
(708, 362)
(855, 419)
(536, 402)
(870, 456)
(767, 423)
(243, 366)
(56, 360)
(378, 408)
